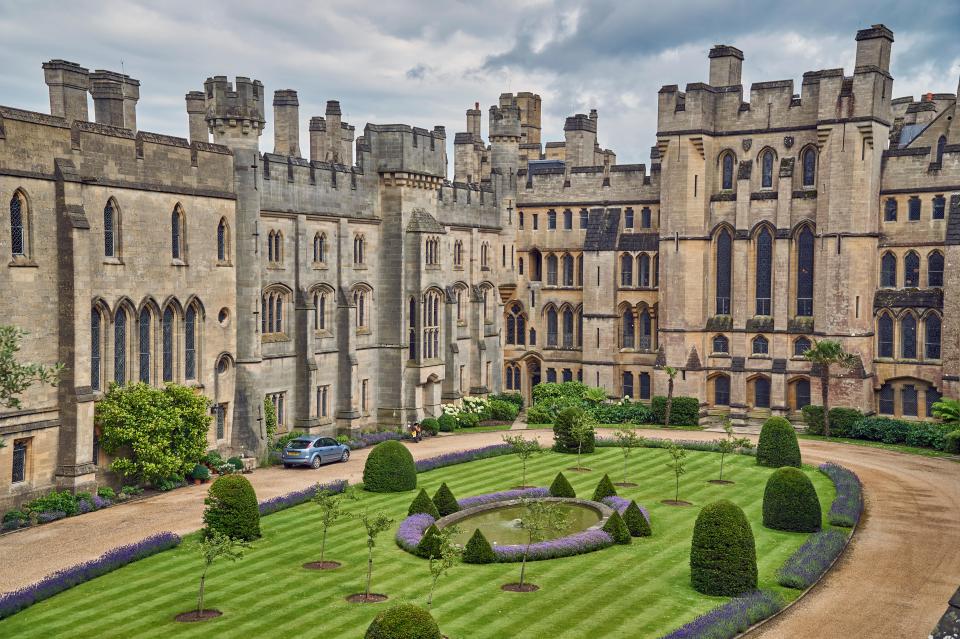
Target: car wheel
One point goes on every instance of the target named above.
(315, 462)
(345, 456)
(288, 465)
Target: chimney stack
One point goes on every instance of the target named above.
(726, 65)
(115, 98)
(333, 131)
(286, 123)
(318, 139)
(197, 116)
(473, 120)
(68, 83)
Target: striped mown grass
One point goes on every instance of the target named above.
(640, 590)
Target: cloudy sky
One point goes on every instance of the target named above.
(424, 62)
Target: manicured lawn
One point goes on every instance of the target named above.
(899, 448)
(641, 590)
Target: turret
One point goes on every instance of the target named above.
(504, 136)
(726, 64)
(580, 132)
(286, 123)
(473, 120)
(68, 83)
(197, 116)
(235, 116)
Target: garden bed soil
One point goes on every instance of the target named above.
(322, 565)
(720, 482)
(363, 598)
(580, 469)
(521, 487)
(518, 588)
(625, 484)
(193, 615)
(674, 502)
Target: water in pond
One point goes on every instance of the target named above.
(501, 526)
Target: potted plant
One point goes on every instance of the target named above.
(200, 474)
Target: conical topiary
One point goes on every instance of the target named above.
(429, 545)
(444, 500)
(604, 489)
(636, 523)
(723, 555)
(561, 487)
(478, 550)
(423, 504)
(616, 528)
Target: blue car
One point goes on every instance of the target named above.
(312, 451)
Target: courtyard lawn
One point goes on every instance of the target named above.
(640, 590)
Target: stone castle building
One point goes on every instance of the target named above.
(360, 288)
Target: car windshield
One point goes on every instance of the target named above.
(299, 444)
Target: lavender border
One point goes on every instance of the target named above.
(297, 497)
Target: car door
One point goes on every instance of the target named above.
(331, 449)
(319, 449)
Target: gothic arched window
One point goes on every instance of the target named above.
(551, 327)
(431, 325)
(222, 240)
(721, 390)
(110, 229)
(941, 146)
(166, 333)
(721, 344)
(643, 270)
(143, 326)
(764, 272)
(885, 335)
(761, 345)
(567, 220)
(626, 270)
(890, 210)
(931, 336)
(176, 234)
(801, 393)
(120, 346)
(888, 270)
(552, 270)
(726, 171)
(805, 273)
(908, 336)
(911, 270)
(551, 220)
(568, 330)
(18, 225)
(724, 246)
(96, 323)
(645, 221)
(646, 330)
(935, 269)
(761, 392)
(190, 343)
(320, 248)
(358, 249)
(412, 323)
(766, 169)
(809, 162)
(800, 346)
(627, 330)
(567, 270)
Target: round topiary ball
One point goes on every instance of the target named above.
(723, 556)
(232, 508)
(790, 502)
(405, 621)
(778, 444)
(389, 469)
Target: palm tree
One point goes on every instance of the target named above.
(823, 354)
(671, 374)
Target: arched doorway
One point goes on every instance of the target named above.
(533, 378)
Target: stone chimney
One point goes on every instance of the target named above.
(726, 65)
(286, 123)
(318, 139)
(873, 47)
(473, 120)
(68, 83)
(197, 116)
(115, 97)
(334, 119)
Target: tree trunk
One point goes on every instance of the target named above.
(677, 498)
(203, 579)
(369, 572)
(433, 584)
(625, 467)
(721, 465)
(825, 397)
(323, 544)
(666, 414)
(579, 448)
(523, 565)
(523, 475)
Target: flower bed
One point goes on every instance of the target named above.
(804, 567)
(731, 618)
(463, 456)
(61, 580)
(848, 505)
(412, 528)
(620, 504)
(297, 497)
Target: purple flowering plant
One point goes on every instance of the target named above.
(620, 505)
(460, 457)
(848, 505)
(804, 567)
(301, 496)
(732, 618)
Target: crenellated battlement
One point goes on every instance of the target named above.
(402, 148)
(615, 182)
(234, 111)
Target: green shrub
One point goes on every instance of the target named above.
(622, 413)
(200, 472)
(447, 423)
(404, 621)
(928, 435)
(430, 426)
(502, 411)
(604, 489)
(105, 492)
(561, 487)
(17, 516)
(842, 420)
(537, 414)
(723, 556)
(59, 500)
(514, 398)
(423, 504)
(279, 443)
(232, 508)
(778, 444)
(616, 528)
(389, 469)
(444, 500)
(951, 442)
(684, 411)
(468, 420)
(213, 459)
(563, 441)
(813, 418)
(236, 462)
(429, 545)
(131, 490)
(899, 431)
(478, 550)
(636, 523)
(790, 502)
(546, 390)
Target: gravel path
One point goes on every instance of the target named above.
(894, 580)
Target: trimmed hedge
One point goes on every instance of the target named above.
(604, 489)
(447, 423)
(778, 444)
(539, 415)
(625, 413)
(899, 431)
(561, 487)
(423, 504)
(684, 411)
(445, 502)
(723, 555)
(547, 390)
(951, 442)
(617, 529)
(502, 411)
(514, 398)
(790, 502)
(842, 420)
(563, 441)
(478, 550)
(404, 621)
(636, 523)
(468, 420)
(232, 508)
(389, 469)
(430, 426)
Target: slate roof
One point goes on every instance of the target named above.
(639, 242)
(603, 226)
(423, 222)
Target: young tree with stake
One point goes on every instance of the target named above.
(627, 440)
(331, 510)
(524, 449)
(581, 429)
(678, 463)
(448, 555)
(541, 518)
(374, 524)
(215, 546)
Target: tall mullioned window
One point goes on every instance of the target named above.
(939, 207)
(626, 270)
(109, 230)
(627, 330)
(166, 329)
(908, 337)
(552, 327)
(809, 162)
(144, 327)
(888, 270)
(18, 235)
(764, 272)
(96, 322)
(766, 169)
(643, 270)
(935, 269)
(222, 240)
(120, 347)
(805, 245)
(890, 210)
(726, 171)
(190, 343)
(885, 336)
(724, 271)
(176, 234)
(931, 336)
(911, 270)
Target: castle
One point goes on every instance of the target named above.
(361, 288)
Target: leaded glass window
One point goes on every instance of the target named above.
(552, 269)
(888, 270)
(120, 347)
(721, 344)
(645, 218)
(935, 269)
(908, 337)
(887, 406)
(566, 375)
(931, 331)
(568, 329)
(908, 400)
(109, 230)
(931, 397)
(644, 385)
(17, 234)
(761, 345)
(885, 336)
(724, 246)
(551, 375)
(890, 210)
(628, 218)
(190, 344)
(801, 346)
(144, 328)
(551, 220)
(726, 169)
(628, 329)
(805, 273)
(412, 323)
(584, 219)
(19, 462)
(809, 167)
(568, 270)
(646, 331)
(626, 270)
(941, 147)
(95, 327)
(939, 207)
(764, 271)
(567, 220)
(766, 170)
(221, 416)
(175, 235)
(167, 330)
(222, 241)
(913, 209)
(643, 270)
(627, 384)
(801, 394)
(552, 327)
(761, 392)
(911, 270)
